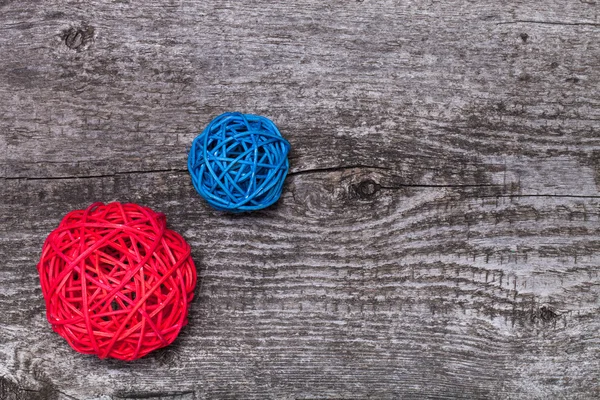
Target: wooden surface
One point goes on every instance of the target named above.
(438, 236)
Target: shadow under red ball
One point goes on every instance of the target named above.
(116, 281)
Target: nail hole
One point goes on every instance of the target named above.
(524, 37)
(572, 79)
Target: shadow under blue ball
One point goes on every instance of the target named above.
(239, 162)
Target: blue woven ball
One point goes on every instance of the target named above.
(239, 162)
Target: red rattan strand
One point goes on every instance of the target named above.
(116, 281)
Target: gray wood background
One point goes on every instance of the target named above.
(439, 233)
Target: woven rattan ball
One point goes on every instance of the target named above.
(117, 283)
(239, 162)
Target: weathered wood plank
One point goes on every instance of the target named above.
(438, 236)
(445, 292)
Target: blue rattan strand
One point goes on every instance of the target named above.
(239, 162)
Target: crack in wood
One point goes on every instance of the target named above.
(409, 185)
(180, 395)
(567, 196)
(55, 178)
(533, 21)
(335, 169)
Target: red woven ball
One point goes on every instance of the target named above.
(116, 281)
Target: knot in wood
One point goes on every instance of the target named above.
(78, 38)
(366, 188)
(547, 313)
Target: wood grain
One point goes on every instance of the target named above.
(439, 232)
